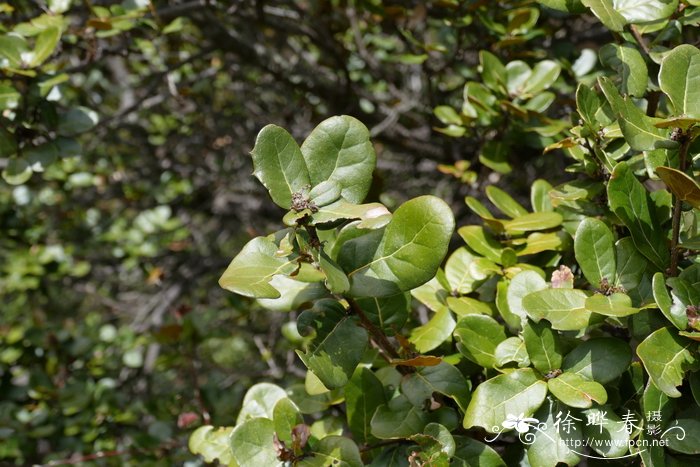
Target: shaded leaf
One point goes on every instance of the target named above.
(601, 359)
(666, 358)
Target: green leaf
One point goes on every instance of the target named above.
(533, 221)
(339, 150)
(564, 308)
(630, 201)
(539, 196)
(679, 78)
(363, 394)
(389, 313)
(617, 305)
(675, 314)
(511, 350)
(46, 43)
(478, 337)
(17, 172)
(411, 250)
(470, 452)
(522, 284)
(279, 165)
(447, 115)
(645, 11)
(252, 444)
(398, 419)
(481, 242)
(336, 280)
(543, 346)
(212, 444)
(638, 129)
(504, 202)
(338, 346)
(666, 358)
(515, 393)
(654, 400)
(681, 185)
(293, 294)
(593, 246)
(436, 444)
(684, 436)
(9, 98)
(260, 401)
(77, 120)
(600, 359)
(608, 438)
(543, 76)
(285, 416)
(457, 271)
(442, 378)
(252, 269)
(606, 13)
(630, 264)
(12, 47)
(554, 441)
(492, 71)
(576, 391)
(333, 450)
(433, 333)
(629, 65)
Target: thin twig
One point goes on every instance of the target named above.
(677, 205)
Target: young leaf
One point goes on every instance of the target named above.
(539, 196)
(666, 358)
(212, 444)
(481, 242)
(252, 269)
(279, 165)
(533, 221)
(522, 284)
(593, 246)
(336, 280)
(601, 359)
(679, 78)
(492, 71)
(286, 416)
(630, 201)
(457, 271)
(518, 393)
(504, 202)
(260, 401)
(411, 250)
(511, 350)
(676, 315)
(543, 76)
(576, 391)
(478, 337)
(339, 150)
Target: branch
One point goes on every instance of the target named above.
(677, 204)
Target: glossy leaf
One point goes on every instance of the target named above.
(629, 64)
(606, 13)
(576, 391)
(521, 285)
(279, 165)
(617, 304)
(443, 379)
(251, 443)
(685, 437)
(675, 315)
(252, 269)
(372, 215)
(339, 150)
(666, 358)
(333, 450)
(478, 337)
(411, 250)
(363, 394)
(471, 452)
(564, 308)
(593, 246)
(285, 416)
(681, 185)
(389, 313)
(511, 350)
(457, 271)
(481, 242)
(610, 437)
(679, 78)
(601, 359)
(518, 393)
(212, 444)
(433, 333)
(630, 264)
(260, 401)
(638, 129)
(630, 201)
(553, 442)
(338, 346)
(533, 221)
(543, 346)
(504, 202)
(398, 419)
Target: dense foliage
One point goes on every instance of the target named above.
(358, 333)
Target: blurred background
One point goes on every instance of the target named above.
(124, 148)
